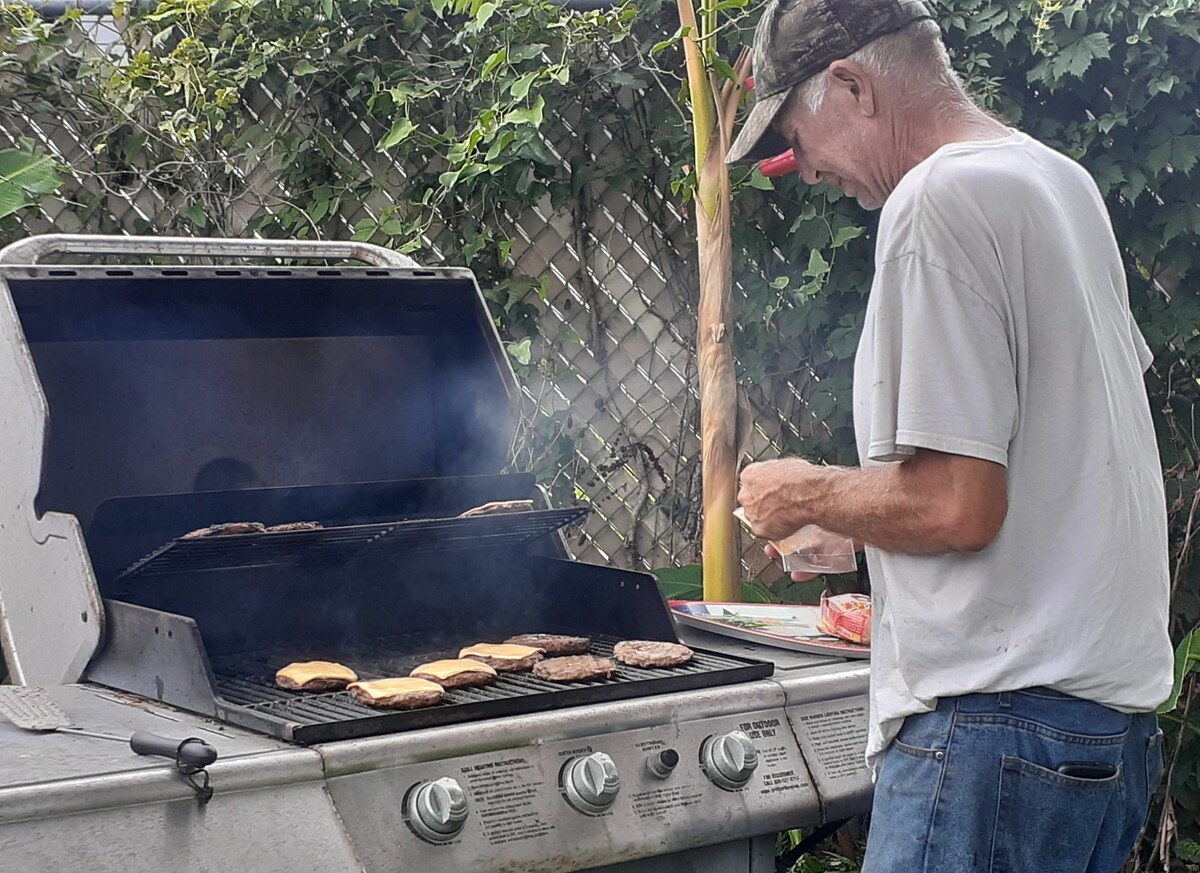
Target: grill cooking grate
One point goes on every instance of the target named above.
(336, 544)
(247, 682)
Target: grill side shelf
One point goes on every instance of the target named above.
(337, 544)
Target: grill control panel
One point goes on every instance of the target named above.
(557, 804)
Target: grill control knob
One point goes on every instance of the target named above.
(729, 760)
(591, 783)
(662, 764)
(438, 810)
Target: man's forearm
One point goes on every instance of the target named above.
(931, 503)
(874, 507)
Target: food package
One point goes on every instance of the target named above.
(811, 549)
(847, 617)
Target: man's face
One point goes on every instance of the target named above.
(833, 145)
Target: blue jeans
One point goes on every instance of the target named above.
(976, 787)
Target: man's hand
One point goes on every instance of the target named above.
(769, 496)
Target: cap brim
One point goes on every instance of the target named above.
(758, 140)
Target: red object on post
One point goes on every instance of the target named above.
(780, 165)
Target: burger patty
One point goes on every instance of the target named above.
(455, 673)
(311, 685)
(508, 665)
(505, 657)
(229, 528)
(407, 693)
(574, 668)
(458, 680)
(651, 653)
(499, 507)
(287, 527)
(315, 676)
(553, 644)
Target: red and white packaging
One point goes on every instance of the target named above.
(847, 617)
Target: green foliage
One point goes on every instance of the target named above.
(822, 860)
(25, 175)
(687, 583)
(447, 98)
(825, 863)
(1188, 850)
(1187, 658)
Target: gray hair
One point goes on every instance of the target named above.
(914, 57)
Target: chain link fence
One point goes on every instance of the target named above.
(611, 413)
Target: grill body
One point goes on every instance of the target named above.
(145, 402)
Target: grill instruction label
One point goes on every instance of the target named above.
(504, 795)
(779, 772)
(658, 801)
(836, 739)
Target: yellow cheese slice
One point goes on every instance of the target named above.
(378, 688)
(502, 651)
(306, 671)
(452, 667)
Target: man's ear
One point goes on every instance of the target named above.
(855, 83)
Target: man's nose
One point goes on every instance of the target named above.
(807, 173)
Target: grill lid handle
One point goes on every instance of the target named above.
(34, 248)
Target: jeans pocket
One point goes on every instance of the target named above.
(924, 735)
(1047, 821)
(918, 751)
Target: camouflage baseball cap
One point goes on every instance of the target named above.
(795, 40)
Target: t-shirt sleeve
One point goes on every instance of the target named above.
(944, 375)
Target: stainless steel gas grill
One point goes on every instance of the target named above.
(142, 403)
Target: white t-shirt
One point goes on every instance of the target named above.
(998, 327)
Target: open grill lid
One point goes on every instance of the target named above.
(119, 383)
(185, 380)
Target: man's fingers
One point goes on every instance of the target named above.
(772, 552)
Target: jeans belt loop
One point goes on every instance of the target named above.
(1004, 700)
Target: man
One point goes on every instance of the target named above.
(1010, 496)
